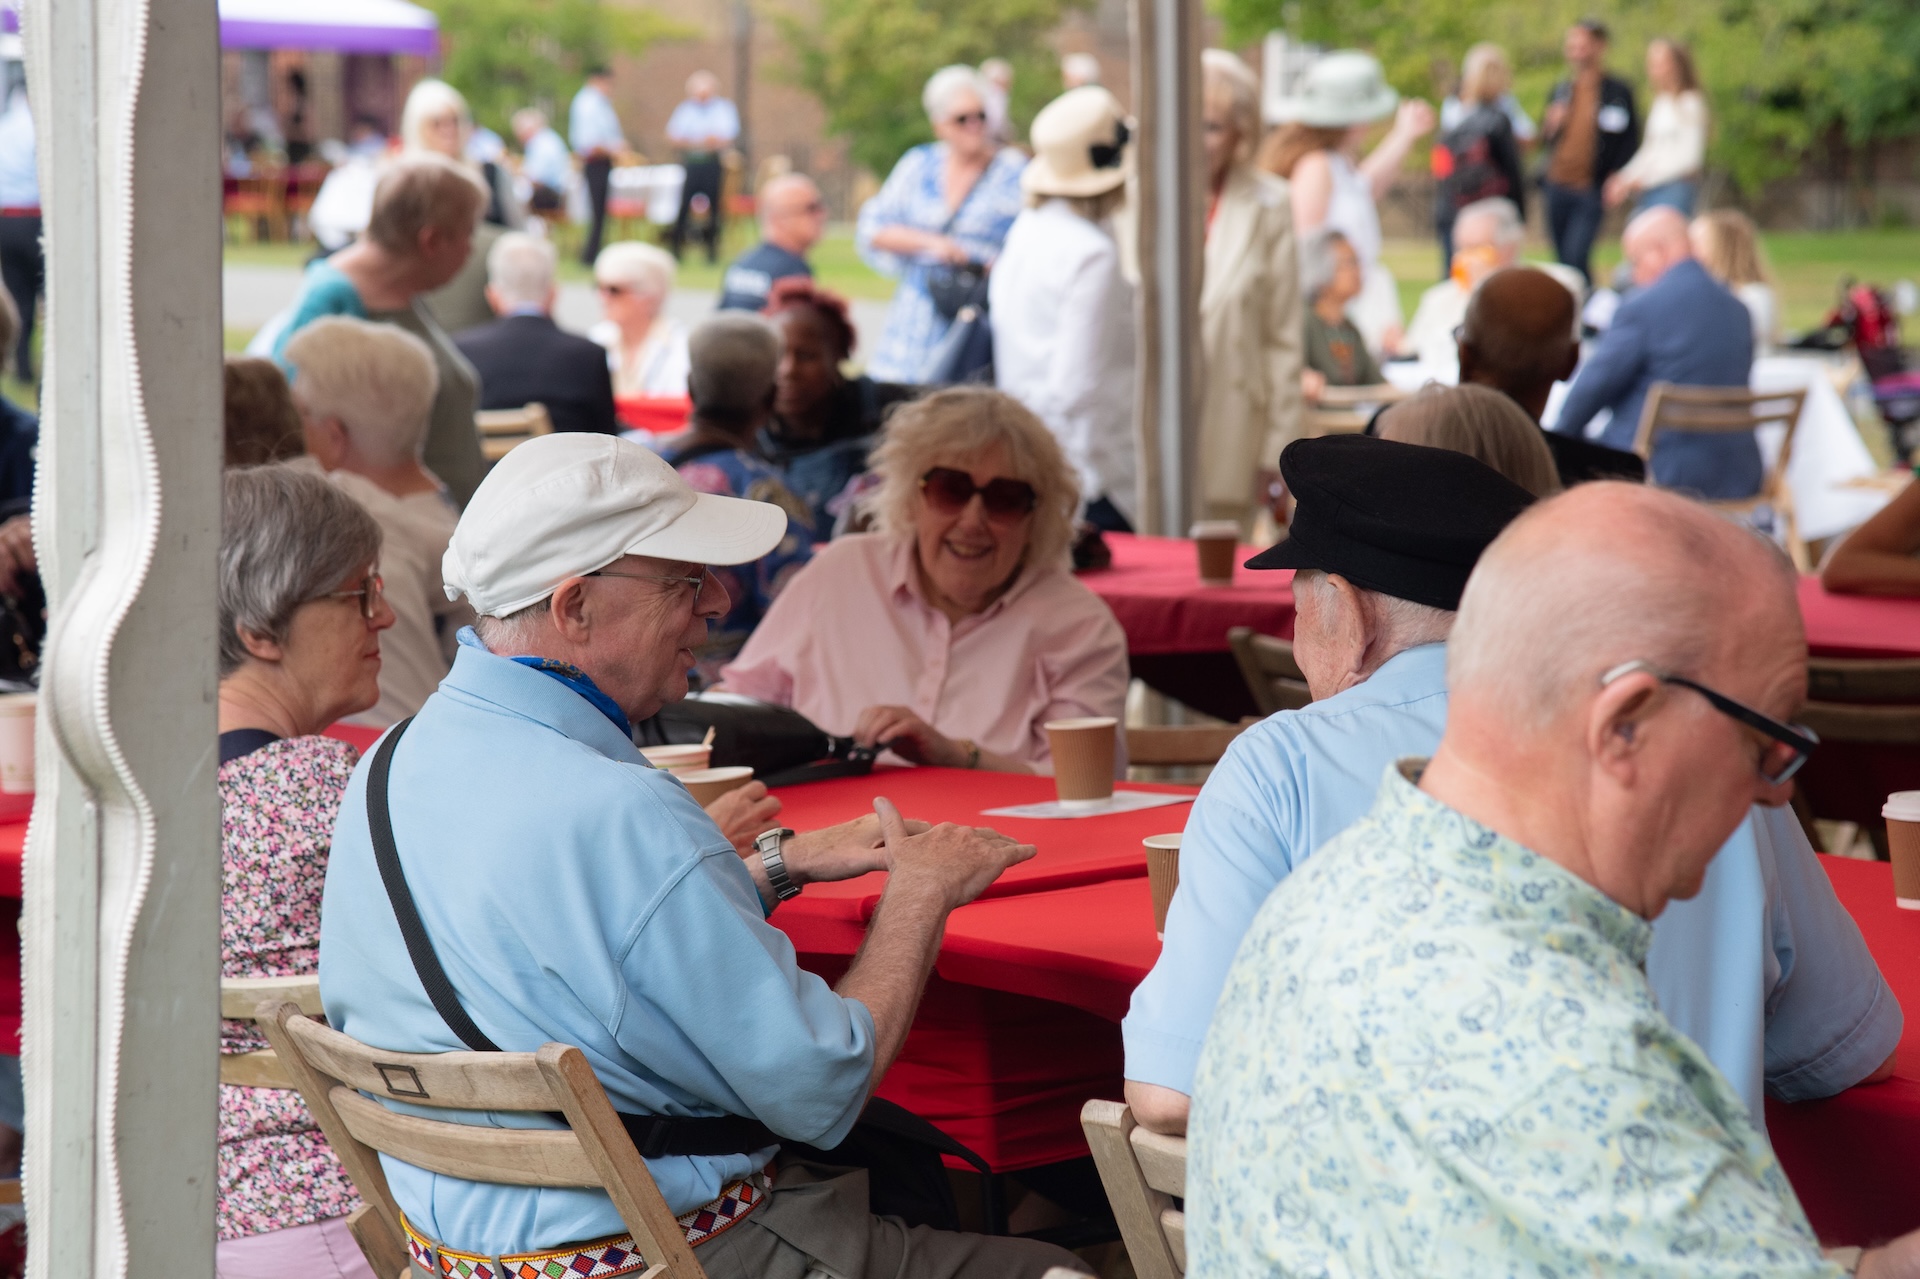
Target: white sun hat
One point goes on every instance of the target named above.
(1340, 89)
(562, 506)
(1079, 145)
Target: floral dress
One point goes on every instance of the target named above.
(277, 806)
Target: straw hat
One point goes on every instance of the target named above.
(1079, 145)
(1341, 89)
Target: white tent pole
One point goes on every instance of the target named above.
(121, 926)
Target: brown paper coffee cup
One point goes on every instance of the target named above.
(1163, 876)
(1083, 759)
(678, 759)
(1217, 543)
(1902, 812)
(709, 784)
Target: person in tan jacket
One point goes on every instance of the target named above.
(1250, 316)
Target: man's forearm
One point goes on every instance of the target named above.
(891, 969)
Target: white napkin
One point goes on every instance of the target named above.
(1123, 801)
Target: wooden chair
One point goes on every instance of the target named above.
(1862, 703)
(1720, 409)
(333, 1072)
(1143, 1172)
(240, 999)
(502, 429)
(1181, 745)
(1273, 677)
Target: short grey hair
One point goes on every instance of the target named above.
(521, 269)
(946, 84)
(731, 361)
(642, 267)
(376, 380)
(1508, 230)
(1317, 265)
(287, 536)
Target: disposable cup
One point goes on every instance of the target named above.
(1083, 759)
(709, 784)
(1217, 543)
(1163, 876)
(16, 742)
(678, 759)
(1902, 812)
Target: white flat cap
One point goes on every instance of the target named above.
(561, 506)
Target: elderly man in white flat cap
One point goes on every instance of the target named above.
(566, 891)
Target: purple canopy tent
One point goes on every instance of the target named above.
(339, 26)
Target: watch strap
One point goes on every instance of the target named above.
(775, 863)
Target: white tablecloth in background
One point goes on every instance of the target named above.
(658, 184)
(1827, 448)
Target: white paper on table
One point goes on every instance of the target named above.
(1123, 801)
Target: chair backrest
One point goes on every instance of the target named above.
(1863, 700)
(333, 1071)
(1715, 409)
(240, 998)
(501, 429)
(1273, 677)
(1144, 1173)
(1176, 745)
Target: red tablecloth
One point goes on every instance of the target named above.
(1154, 589)
(1858, 625)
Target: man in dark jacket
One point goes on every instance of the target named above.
(1679, 325)
(1592, 130)
(524, 357)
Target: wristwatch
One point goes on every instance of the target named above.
(768, 845)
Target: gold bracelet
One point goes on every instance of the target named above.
(973, 752)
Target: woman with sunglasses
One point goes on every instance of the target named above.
(957, 630)
(301, 611)
(646, 348)
(946, 206)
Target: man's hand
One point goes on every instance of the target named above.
(742, 813)
(907, 735)
(841, 852)
(1415, 118)
(949, 864)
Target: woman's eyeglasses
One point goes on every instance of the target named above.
(372, 590)
(967, 119)
(948, 491)
(1787, 745)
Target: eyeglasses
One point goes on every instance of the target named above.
(967, 119)
(614, 290)
(1788, 745)
(949, 490)
(698, 581)
(372, 590)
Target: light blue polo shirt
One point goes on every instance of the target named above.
(576, 895)
(1764, 969)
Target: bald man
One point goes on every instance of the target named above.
(1519, 337)
(1437, 1052)
(1679, 325)
(792, 219)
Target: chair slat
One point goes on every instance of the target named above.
(1878, 725)
(1163, 1161)
(241, 997)
(254, 1070)
(460, 1081)
(1168, 745)
(1835, 679)
(511, 1156)
(1137, 1208)
(1266, 664)
(1173, 1224)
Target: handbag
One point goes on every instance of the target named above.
(778, 743)
(954, 285)
(900, 1150)
(965, 354)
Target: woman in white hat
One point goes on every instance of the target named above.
(1317, 149)
(1062, 312)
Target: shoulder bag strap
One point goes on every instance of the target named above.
(426, 964)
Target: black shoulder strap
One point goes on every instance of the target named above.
(419, 946)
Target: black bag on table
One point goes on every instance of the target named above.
(778, 743)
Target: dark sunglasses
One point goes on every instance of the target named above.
(1788, 745)
(1006, 500)
(966, 118)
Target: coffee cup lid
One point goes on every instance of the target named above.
(1170, 843)
(1215, 528)
(1903, 806)
(727, 774)
(1090, 721)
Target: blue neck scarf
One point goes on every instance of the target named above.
(580, 682)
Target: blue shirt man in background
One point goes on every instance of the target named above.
(545, 161)
(593, 129)
(792, 219)
(702, 127)
(574, 894)
(1679, 325)
(1764, 969)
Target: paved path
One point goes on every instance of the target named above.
(252, 295)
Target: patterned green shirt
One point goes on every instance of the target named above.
(1437, 1055)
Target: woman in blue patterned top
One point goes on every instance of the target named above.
(946, 203)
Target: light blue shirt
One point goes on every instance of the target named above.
(547, 161)
(576, 895)
(592, 123)
(692, 123)
(19, 179)
(1764, 969)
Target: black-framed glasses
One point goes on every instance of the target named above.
(373, 589)
(967, 118)
(948, 490)
(1787, 746)
(698, 581)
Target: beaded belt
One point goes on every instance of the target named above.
(599, 1259)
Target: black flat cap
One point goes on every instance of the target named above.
(1401, 519)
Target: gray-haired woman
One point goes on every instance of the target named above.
(301, 612)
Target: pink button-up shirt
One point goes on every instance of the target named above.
(852, 630)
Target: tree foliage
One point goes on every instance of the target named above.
(867, 60)
(507, 54)
(1784, 77)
